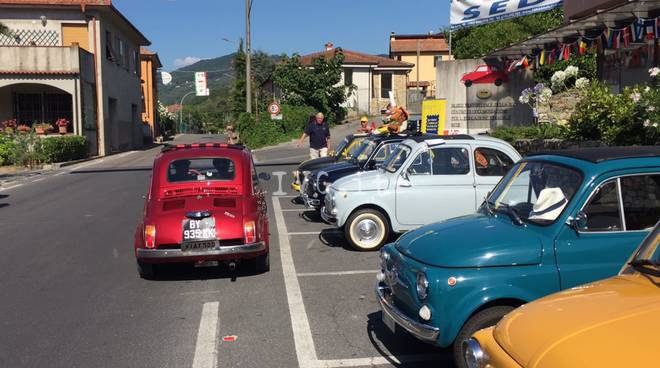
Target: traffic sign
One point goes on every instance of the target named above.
(274, 108)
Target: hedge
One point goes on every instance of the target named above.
(66, 148)
(266, 132)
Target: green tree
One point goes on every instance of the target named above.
(477, 41)
(238, 100)
(318, 86)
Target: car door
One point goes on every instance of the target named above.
(619, 214)
(490, 165)
(439, 185)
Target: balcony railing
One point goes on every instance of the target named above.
(40, 59)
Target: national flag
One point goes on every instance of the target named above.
(627, 36)
(582, 47)
(542, 57)
(567, 52)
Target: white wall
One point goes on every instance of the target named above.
(360, 97)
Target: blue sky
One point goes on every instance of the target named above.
(184, 30)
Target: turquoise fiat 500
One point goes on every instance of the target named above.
(553, 222)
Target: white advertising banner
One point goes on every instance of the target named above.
(201, 88)
(467, 13)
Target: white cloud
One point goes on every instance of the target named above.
(188, 60)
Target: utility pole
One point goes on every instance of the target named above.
(248, 55)
(417, 67)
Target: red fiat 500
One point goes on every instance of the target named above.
(204, 205)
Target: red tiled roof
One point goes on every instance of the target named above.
(354, 57)
(421, 84)
(427, 43)
(148, 54)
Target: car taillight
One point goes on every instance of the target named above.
(250, 232)
(150, 236)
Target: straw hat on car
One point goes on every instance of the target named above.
(549, 205)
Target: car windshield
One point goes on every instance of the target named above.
(396, 158)
(647, 258)
(354, 146)
(535, 191)
(201, 169)
(364, 150)
(341, 146)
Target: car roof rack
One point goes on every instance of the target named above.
(173, 147)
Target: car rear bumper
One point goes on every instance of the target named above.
(218, 253)
(421, 331)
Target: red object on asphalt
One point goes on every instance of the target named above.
(205, 204)
(484, 74)
(230, 338)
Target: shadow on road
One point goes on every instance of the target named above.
(311, 216)
(187, 272)
(402, 344)
(335, 238)
(3, 196)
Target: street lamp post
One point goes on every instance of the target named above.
(181, 111)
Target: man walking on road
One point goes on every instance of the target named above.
(319, 137)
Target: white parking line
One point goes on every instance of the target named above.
(337, 273)
(205, 348)
(302, 332)
(305, 233)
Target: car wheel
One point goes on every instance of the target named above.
(367, 230)
(147, 270)
(485, 318)
(468, 83)
(262, 263)
(498, 82)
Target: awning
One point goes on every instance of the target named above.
(589, 27)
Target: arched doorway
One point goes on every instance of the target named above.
(33, 103)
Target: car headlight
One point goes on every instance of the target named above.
(383, 259)
(422, 286)
(475, 357)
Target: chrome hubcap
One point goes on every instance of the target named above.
(367, 231)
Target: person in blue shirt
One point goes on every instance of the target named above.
(318, 132)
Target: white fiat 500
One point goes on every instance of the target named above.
(422, 181)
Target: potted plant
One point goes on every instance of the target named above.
(62, 124)
(43, 129)
(22, 128)
(8, 126)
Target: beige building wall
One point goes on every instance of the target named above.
(426, 67)
(399, 81)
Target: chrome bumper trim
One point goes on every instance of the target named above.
(327, 217)
(419, 330)
(144, 253)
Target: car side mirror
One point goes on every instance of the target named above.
(405, 180)
(264, 176)
(579, 222)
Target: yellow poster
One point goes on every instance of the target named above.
(433, 116)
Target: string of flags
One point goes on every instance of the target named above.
(638, 32)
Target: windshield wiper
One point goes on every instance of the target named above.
(512, 213)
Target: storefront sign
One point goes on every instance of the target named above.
(467, 13)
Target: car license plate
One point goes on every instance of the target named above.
(203, 229)
(198, 245)
(389, 322)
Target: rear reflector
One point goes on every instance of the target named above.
(174, 205)
(225, 202)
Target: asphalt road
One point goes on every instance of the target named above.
(71, 295)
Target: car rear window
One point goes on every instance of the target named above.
(201, 169)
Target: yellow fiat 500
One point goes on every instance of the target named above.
(610, 323)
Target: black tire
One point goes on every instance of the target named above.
(498, 82)
(468, 83)
(262, 263)
(486, 318)
(147, 271)
(367, 218)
